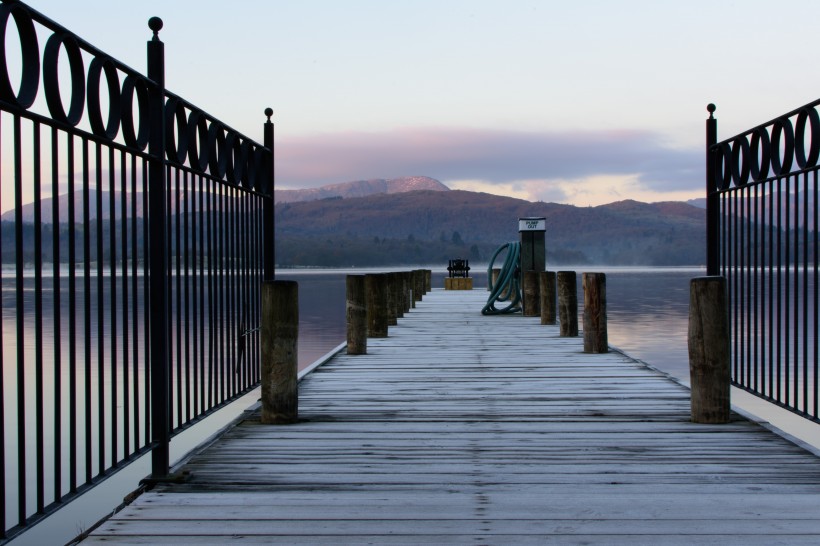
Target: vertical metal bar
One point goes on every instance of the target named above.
(126, 304)
(805, 361)
(112, 251)
(87, 306)
(146, 307)
(38, 320)
(771, 232)
(755, 291)
(178, 296)
(223, 328)
(745, 282)
(815, 294)
(72, 320)
(734, 283)
(3, 525)
(212, 258)
(780, 288)
(135, 303)
(231, 291)
(100, 317)
(203, 255)
(268, 205)
(195, 300)
(20, 307)
(712, 199)
(57, 291)
(160, 407)
(796, 303)
(186, 237)
(787, 297)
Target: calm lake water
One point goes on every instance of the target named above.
(647, 319)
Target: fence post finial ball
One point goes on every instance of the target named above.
(155, 24)
(711, 108)
(269, 112)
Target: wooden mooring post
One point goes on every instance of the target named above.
(567, 303)
(546, 281)
(532, 298)
(709, 350)
(391, 302)
(595, 332)
(376, 297)
(356, 315)
(418, 284)
(279, 338)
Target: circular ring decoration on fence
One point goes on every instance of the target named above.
(51, 81)
(782, 129)
(30, 56)
(761, 153)
(217, 155)
(233, 156)
(198, 141)
(176, 147)
(807, 160)
(740, 161)
(131, 85)
(110, 128)
(723, 166)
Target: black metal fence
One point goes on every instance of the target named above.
(135, 235)
(762, 210)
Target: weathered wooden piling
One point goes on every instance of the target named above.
(595, 330)
(531, 292)
(567, 303)
(376, 297)
(409, 303)
(709, 350)
(279, 337)
(398, 294)
(428, 280)
(418, 284)
(546, 282)
(392, 296)
(356, 315)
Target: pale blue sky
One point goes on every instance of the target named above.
(582, 102)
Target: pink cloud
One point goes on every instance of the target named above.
(493, 156)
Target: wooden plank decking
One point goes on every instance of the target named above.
(466, 429)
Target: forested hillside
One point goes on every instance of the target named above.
(430, 227)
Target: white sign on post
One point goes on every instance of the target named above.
(532, 224)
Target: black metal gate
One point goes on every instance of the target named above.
(762, 214)
(140, 229)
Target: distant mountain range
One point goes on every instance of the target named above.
(431, 227)
(360, 188)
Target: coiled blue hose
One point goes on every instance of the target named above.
(508, 285)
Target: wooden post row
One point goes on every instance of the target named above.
(709, 350)
(532, 299)
(376, 297)
(546, 281)
(595, 332)
(567, 304)
(356, 315)
(279, 337)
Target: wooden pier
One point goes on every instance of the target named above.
(465, 429)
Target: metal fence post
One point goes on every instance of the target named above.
(268, 210)
(158, 287)
(712, 200)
